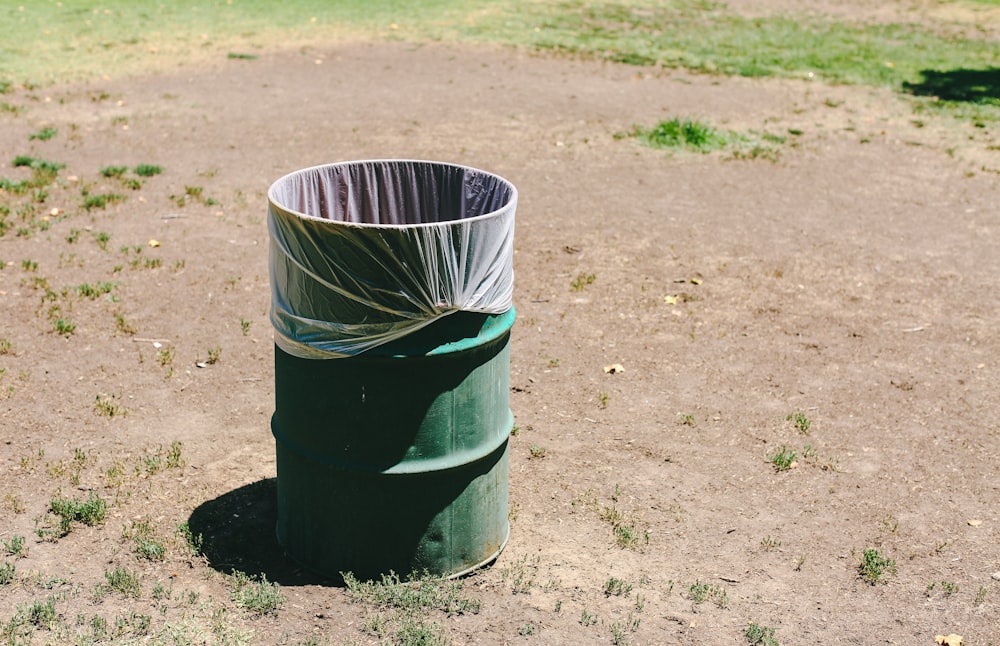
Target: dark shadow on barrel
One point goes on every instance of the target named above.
(961, 85)
(237, 533)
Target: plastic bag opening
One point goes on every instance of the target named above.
(364, 253)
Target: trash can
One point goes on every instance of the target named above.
(391, 286)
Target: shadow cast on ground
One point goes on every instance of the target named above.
(237, 533)
(965, 85)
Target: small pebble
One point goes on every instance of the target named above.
(996, 576)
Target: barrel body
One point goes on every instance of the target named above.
(397, 459)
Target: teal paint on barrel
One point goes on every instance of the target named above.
(397, 458)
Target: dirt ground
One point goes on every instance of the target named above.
(852, 281)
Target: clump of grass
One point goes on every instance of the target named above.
(107, 405)
(145, 542)
(124, 581)
(44, 134)
(783, 458)
(101, 200)
(64, 326)
(114, 171)
(7, 571)
(537, 451)
(757, 635)
(874, 567)
(417, 592)
(615, 587)
(147, 170)
(40, 613)
(700, 592)
(800, 421)
(256, 594)
(15, 546)
(96, 290)
(90, 512)
(581, 281)
(682, 133)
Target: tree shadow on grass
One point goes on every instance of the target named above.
(237, 533)
(961, 85)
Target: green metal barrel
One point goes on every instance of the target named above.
(397, 459)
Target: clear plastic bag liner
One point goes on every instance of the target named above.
(364, 253)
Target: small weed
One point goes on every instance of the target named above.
(147, 170)
(29, 265)
(874, 567)
(165, 356)
(241, 57)
(114, 171)
(526, 630)
(688, 420)
(14, 502)
(194, 542)
(588, 619)
(40, 614)
(757, 635)
(616, 587)
(700, 592)
(213, 355)
(783, 459)
(419, 591)
(537, 451)
(582, 281)
(15, 546)
(89, 512)
(96, 290)
(73, 236)
(108, 406)
(980, 597)
(102, 238)
(602, 400)
(245, 326)
(44, 134)
(768, 543)
(7, 571)
(800, 421)
(5, 346)
(64, 326)
(620, 628)
(520, 574)
(101, 200)
(123, 581)
(255, 594)
(122, 325)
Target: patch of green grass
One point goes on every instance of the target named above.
(615, 587)
(582, 281)
(256, 594)
(90, 512)
(107, 405)
(114, 171)
(15, 546)
(701, 592)
(101, 200)
(124, 581)
(874, 567)
(44, 134)
(41, 614)
(783, 458)
(420, 591)
(7, 571)
(243, 57)
(757, 635)
(64, 326)
(685, 134)
(96, 290)
(800, 421)
(148, 170)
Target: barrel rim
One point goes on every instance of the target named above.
(508, 205)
